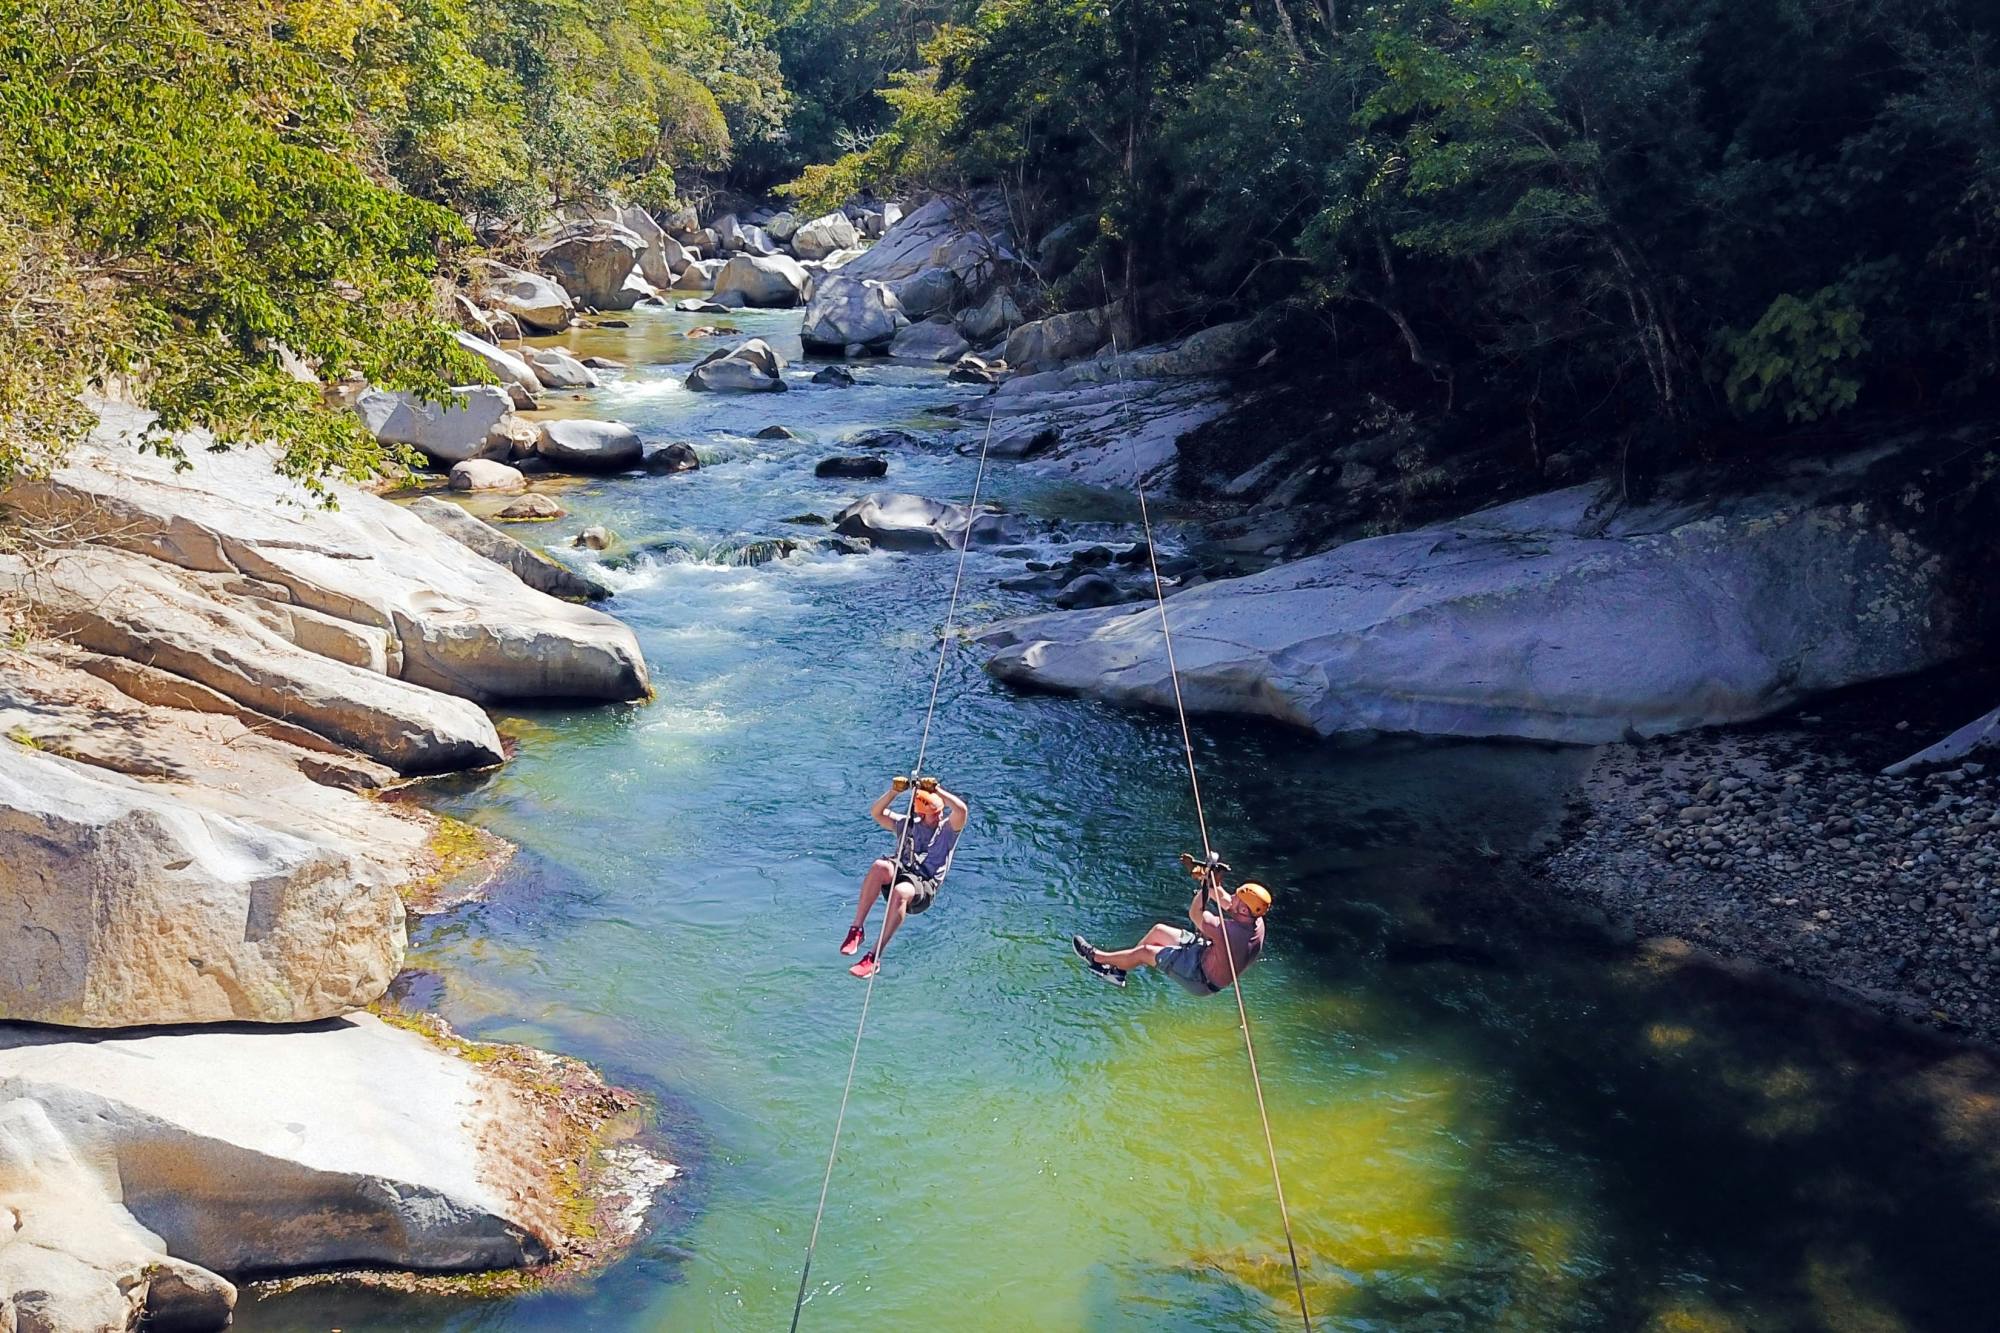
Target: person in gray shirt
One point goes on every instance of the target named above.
(1223, 945)
(925, 841)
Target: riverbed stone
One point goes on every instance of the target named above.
(507, 368)
(900, 522)
(532, 509)
(449, 432)
(765, 282)
(557, 369)
(934, 340)
(677, 456)
(533, 299)
(577, 445)
(824, 235)
(848, 312)
(483, 474)
(752, 366)
(852, 465)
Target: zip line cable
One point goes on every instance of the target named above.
(1208, 851)
(902, 841)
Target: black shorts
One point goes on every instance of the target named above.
(923, 890)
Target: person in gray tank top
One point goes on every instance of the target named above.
(910, 876)
(1223, 945)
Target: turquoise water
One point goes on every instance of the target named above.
(1482, 1124)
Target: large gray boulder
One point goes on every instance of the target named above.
(990, 318)
(926, 292)
(538, 303)
(448, 432)
(557, 369)
(350, 1144)
(1046, 344)
(700, 274)
(780, 226)
(823, 235)
(655, 264)
(507, 368)
(589, 446)
(752, 366)
(525, 563)
(451, 621)
(1538, 619)
(592, 260)
(930, 340)
(847, 312)
(766, 282)
(898, 522)
(125, 905)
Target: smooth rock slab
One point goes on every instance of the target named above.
(536, 301)
(1534, 620)
(350, 1142)
(123, 905)
(127, 605)
(507, 368)
(457, 623)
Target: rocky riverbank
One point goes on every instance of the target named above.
(211, 686)
(1787, 846)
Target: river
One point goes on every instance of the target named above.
(1482, 1124)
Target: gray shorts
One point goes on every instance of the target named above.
(1182, 962)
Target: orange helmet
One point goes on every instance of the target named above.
(1254, 896)
(929, 803)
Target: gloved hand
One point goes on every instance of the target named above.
(899, 783)
(928, 784)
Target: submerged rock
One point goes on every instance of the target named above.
(678, 456)
(532, 509)
(899, 522)
(852, 465)
(1534, 619)
(840, 377)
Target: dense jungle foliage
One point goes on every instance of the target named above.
(1568, 215)
(1560, 217)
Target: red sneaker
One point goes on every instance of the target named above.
(867, 967)
(853, 940)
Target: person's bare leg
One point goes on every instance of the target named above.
(1143, 954)
(899, 907)
(872, 884)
